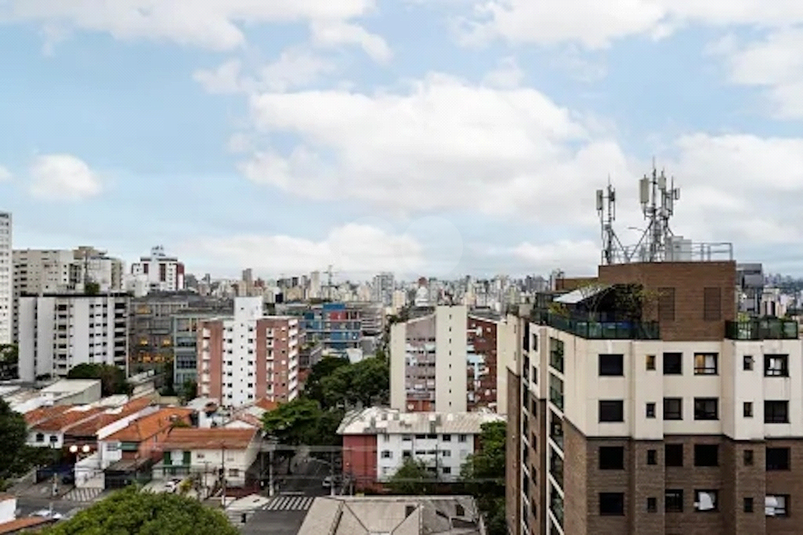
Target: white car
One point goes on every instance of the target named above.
(172, 485)
(47, 513)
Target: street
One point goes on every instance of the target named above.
(26, 505)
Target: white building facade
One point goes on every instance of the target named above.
(163, 272)
(6, 279)
(59, 331)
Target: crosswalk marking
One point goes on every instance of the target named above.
(83, 494)
(290, 503)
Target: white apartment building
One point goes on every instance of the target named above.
(60, 331)
(379, 440)
(163, 273)
(6, 277)
(249, 356)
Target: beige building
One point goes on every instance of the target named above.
(640, 406)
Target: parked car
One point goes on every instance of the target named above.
(47, 513)
(172, 485)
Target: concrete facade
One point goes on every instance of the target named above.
(6, 279)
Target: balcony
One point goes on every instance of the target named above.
(600, 330)
(762, 329)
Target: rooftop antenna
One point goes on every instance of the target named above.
(657, 199)
(612, 250)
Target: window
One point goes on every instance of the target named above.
(706, 455)
(673, 363)
(386, 454)
(706, 408)
(234, 472)
(611, 365)
(447, 470)
(611, 458)
(706, 500)
(776, 412)
(673, 501)
(666, 304)
(652, 505)
(673, 454)
(650, 362)
(650, 410)
(611, 411)
(712, 304)
(747, 364)
(748, 505)
(40, 437)
(652, 456)
(673, 408)
(462, 438)
(776, 365)
(748, 457)
(776, 505)
(706, 363)
(611, 503)
(747, 409)
(778, 458)
(447, 438)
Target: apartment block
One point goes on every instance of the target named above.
(6, 288)
(645, 406)
(60, 331)
(160, 271)
(447, 360)
(249, 356)
(184, 328)
(151, 332)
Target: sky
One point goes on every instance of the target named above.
(434, 137)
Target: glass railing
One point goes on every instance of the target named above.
(601, 330)
(762, 329)
(556, 397)
(556, 505)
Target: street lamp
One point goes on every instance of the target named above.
(84, 449)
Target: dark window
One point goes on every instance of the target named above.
(611, 411)
(666, 304)
(673, 454)
(748, 457)
(652, 505)
(706, 455)
(776, 365)
(706, 500)
(673, 363)
(776, 412)
(706, 408)
(650, 362)
(778, 459)
(673, 408)
(747, 365)
(673, 501)
(652, 456)
(706, 363)
(611, 503)
(712, 304)
(611, 365)
(747, 409)
(650, 410)
(611, 458)
(777, 504)
(748, 505)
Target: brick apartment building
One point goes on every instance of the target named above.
(640, 405)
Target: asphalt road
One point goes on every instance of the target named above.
(307, 479)
(27, 505)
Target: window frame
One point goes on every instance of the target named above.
(772, 465)
(619, 496)
(714, 493)
(772, 416)
(673, 355)
(699, 457)
(670, 416)
(619, 463)
(701, 413)
(609, 370)
(673, 501)
(782, 371)
(702, 366)
(620, 403)
(670, 455)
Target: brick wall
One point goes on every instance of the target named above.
(512, 452)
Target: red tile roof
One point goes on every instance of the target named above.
(209, 439)
(266, 404)
(107, 417)
(23, 523)
(62, 421)
(44, 413)
(150, 425)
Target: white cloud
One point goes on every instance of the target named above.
(507, 75)
(223, 79)
(62, 177)
(440, 144)
(353, 248)
(331, 33)
(5, 174)
(214, 24)
(574, 257)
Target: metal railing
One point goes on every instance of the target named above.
(601, 330)
(762, 329)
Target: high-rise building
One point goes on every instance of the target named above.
(447, 361)
(382, 288)
(6, 278)
(59, 331)
(639, 403)
(249, 356)
(162, 272)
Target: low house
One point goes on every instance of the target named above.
(9, 523)
(408, 515)
(47, 426)
(212, 456)
(142, 438)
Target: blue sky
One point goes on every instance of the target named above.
(441, 137)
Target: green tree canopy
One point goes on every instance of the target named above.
(9, 361)
(484, 476)
(365, 383)
(313, 388)
(13, 432)
(293, 423)
(112, 379)
(412, 479)
(144, 513)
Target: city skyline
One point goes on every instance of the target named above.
(431, 138)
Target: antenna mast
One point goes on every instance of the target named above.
(612, 250)
(658, 206)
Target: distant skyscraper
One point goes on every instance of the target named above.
(5, 278)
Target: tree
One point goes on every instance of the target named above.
(112, 378)
(13, 433)
(484, 475)
(371, 381)
(295, 422)
(189, 390)
(132, 512)
(313, 387)
(9, 361)
(412, 479)
(92, 288)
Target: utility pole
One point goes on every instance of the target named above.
(332, 473)
(270, 471)
(223, 474)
